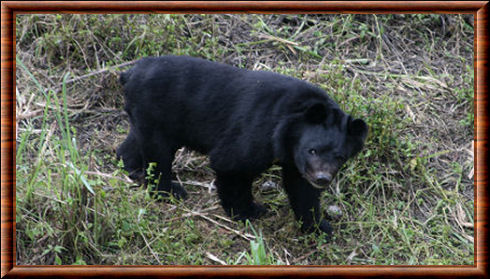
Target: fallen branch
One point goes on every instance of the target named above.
(97, 173)
(214, 258)
(98, 72)
(246, 236)
(29, 114)
(151, 250)
(281, 40)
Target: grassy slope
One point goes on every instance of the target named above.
(406, 199)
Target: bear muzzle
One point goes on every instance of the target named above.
(322, 178)
(319, 179)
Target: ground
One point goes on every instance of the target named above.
(407, 198)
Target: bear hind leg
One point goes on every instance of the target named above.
(130, 152)
(162, 152)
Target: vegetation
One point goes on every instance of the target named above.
(407, 198)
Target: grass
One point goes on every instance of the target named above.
(407, 198)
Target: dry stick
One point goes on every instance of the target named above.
(460, 217)
(97, 173)
(214, 258)
(29, 114)
(98, 72)
(273, 38)
(461, 222)
(190, 214)
(310, 253)
(223, 218)
(208, 186)
(305, 255)
(346, 41)
(151, 250)
(246, 236)
(286, 254)
(150, 243)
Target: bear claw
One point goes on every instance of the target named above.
(324, 226)
(176, 191)
(254, 211)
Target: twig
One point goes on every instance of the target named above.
(471, 158)
(151, 250)
(214, 258)
(108, 176)
(98, 72)
(351, 256)
(223, 218)
(273, 38)
(191, 214)
(29, 114)
(246, 236)
(305, 255)
(209, 186)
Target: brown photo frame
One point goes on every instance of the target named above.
(9, 9)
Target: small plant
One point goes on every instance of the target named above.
(258, 252)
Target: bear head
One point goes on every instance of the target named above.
(320, 141)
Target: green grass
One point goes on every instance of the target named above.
(407, 198)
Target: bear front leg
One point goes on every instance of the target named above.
(235, 192)
(305, 201)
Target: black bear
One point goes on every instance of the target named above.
(244, 120)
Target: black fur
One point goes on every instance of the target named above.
(244, 120)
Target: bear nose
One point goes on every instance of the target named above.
(323, 178)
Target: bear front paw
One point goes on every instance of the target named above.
(258, 210)
(254, 211)
(322, 226)
(176, 191)
(325, 227)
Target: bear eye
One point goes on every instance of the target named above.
(312, 151)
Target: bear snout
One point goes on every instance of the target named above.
(322, 178)
(319, 179)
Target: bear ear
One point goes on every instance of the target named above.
(316, 113)
(357, 128)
